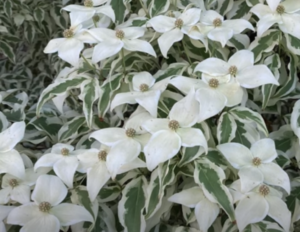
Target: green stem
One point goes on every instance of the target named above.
(123, 61)
(186, 53)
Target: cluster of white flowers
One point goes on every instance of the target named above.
(43, 195)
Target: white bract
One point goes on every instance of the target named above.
(283, 13)
(255, 205)
(174, 29)
(4, 211)
(168, 135)
(255, 165)
(222, 30)
(10, 159)
(206, 211)
(145, 92)
(63, 160)
(70, 46)
(47, 213)
(112, 42)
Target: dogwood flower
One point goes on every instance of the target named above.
(94, 163)
(112, 41)
(240, 66)
(255, 165)
(220, 90)
(46, 213)
(83, 13)
(206, 211)
(254, 206)
(125, 144)
(10, 160)
(146, 92)
(173, 29)
(282, 13)
(18, 189)
(70, 46)
(63, 160)
(4, 211)
(222, 30)
(168, 135)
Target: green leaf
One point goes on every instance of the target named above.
(119, 9)
(293, 44)
(224, 6)
(105, 220)
(216, 157)
(210, 177)
(226, 128)
(173, 69)
(242, 136)
(131, 205)
(39, 14)
(154, 194)
(7, 7)
(57, 88)
(7, 51)
(70, 129)
(240, 10)
(83, 198)
(189, 154)
(29, 32)
(89, 94)
(109, 193)
(246, 115)
(159, 6)
(139, 22)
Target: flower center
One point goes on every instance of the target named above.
(217, 22)
(173, 125)
(120, 34)
(96, 18)
(102, 155)
(233, 70)
(256, 161)
(280, 9)
(178, 23)
(144, 87)
(68, 33)
(264, 190)
(65, 152)
(130, 132)
(13, 183)
(44, 207)
(88, 3)
(214, 83)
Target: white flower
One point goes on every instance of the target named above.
(255, 165)
(146, 92)
(222, 30)
(168, 135)
(254, 206)
(18, 189)
(206, 211)
(63, 160)
(93, 162)
(282, 13)
(240, 66)
(112, 41)
(83, 13)
(173, 29)
(46, 213)
(10, 160)
(220, 90)
(70, 46)
(4, 211)
(125, 143)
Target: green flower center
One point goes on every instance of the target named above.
(280, 9)
(256, 161)
(214, 83)
(88, 3)
(102, 155)
(264, 190)
(65, 152)
(179, 23)
(173, 125)
(120, 34)
(217, 22)
(68, 33)
(44, 207)
(130, 132)
(96, 18)
(144, 87)
(13, 183)
(233, 70)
